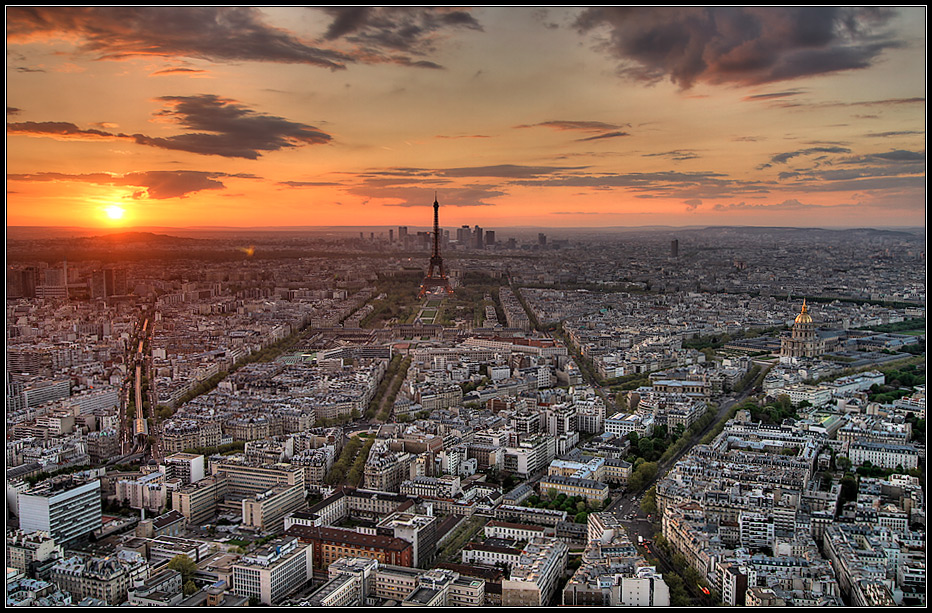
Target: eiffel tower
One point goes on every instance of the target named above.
(436, 279)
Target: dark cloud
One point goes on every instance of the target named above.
(893, 134)
(12, 110)
(745, 45)
(212, 33)
(398, 35)
(602, 136)
(783, 158)
(898, 155)
(582, 126)
(229, 129)
(153, 185)
(220, 127)
(772, 96)
(178, 71)
(887, 102)
(677, 155)
(892, 170)
(599, 129)
(58, 129)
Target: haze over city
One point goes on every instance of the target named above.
(121, 117)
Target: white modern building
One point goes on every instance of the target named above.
(65, 507)
(278, 569)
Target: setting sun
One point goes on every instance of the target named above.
(114, 212)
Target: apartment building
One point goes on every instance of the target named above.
(535, 578)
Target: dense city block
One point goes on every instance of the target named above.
(523, 418)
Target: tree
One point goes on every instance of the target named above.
(642, 476)
(189, 588)
(849, 488)
(646, 448)
(184, 565)
(649, 502)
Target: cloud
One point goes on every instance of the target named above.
(893, 134)
(220, 127)
(453, 137)
(506, 171)
(783, 158)
(218, 34)
(154, 184)
(677, 155)
(396, 34)
(772, 96)
(299, 184)
(229, 129)
(58, 129)
(414, 196)
(582, 126)
(742, 45)
(599, 129)
(603, 136)
(177, 70)
(897, 155)
(12, 110)
(692, 204)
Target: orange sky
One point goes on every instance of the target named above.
(552, 117)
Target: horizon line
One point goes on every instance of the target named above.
(648, 226)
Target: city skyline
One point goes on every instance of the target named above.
(547, 117)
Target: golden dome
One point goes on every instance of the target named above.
(804, 317)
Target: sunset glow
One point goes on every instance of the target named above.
(114, 212)
(554, 117)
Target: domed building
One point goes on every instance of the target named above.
(805, 341)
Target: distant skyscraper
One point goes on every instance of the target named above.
(464, 236)
(490, 237)
(477, 237)
(391, 236)
(542, 239)
(674, 248)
